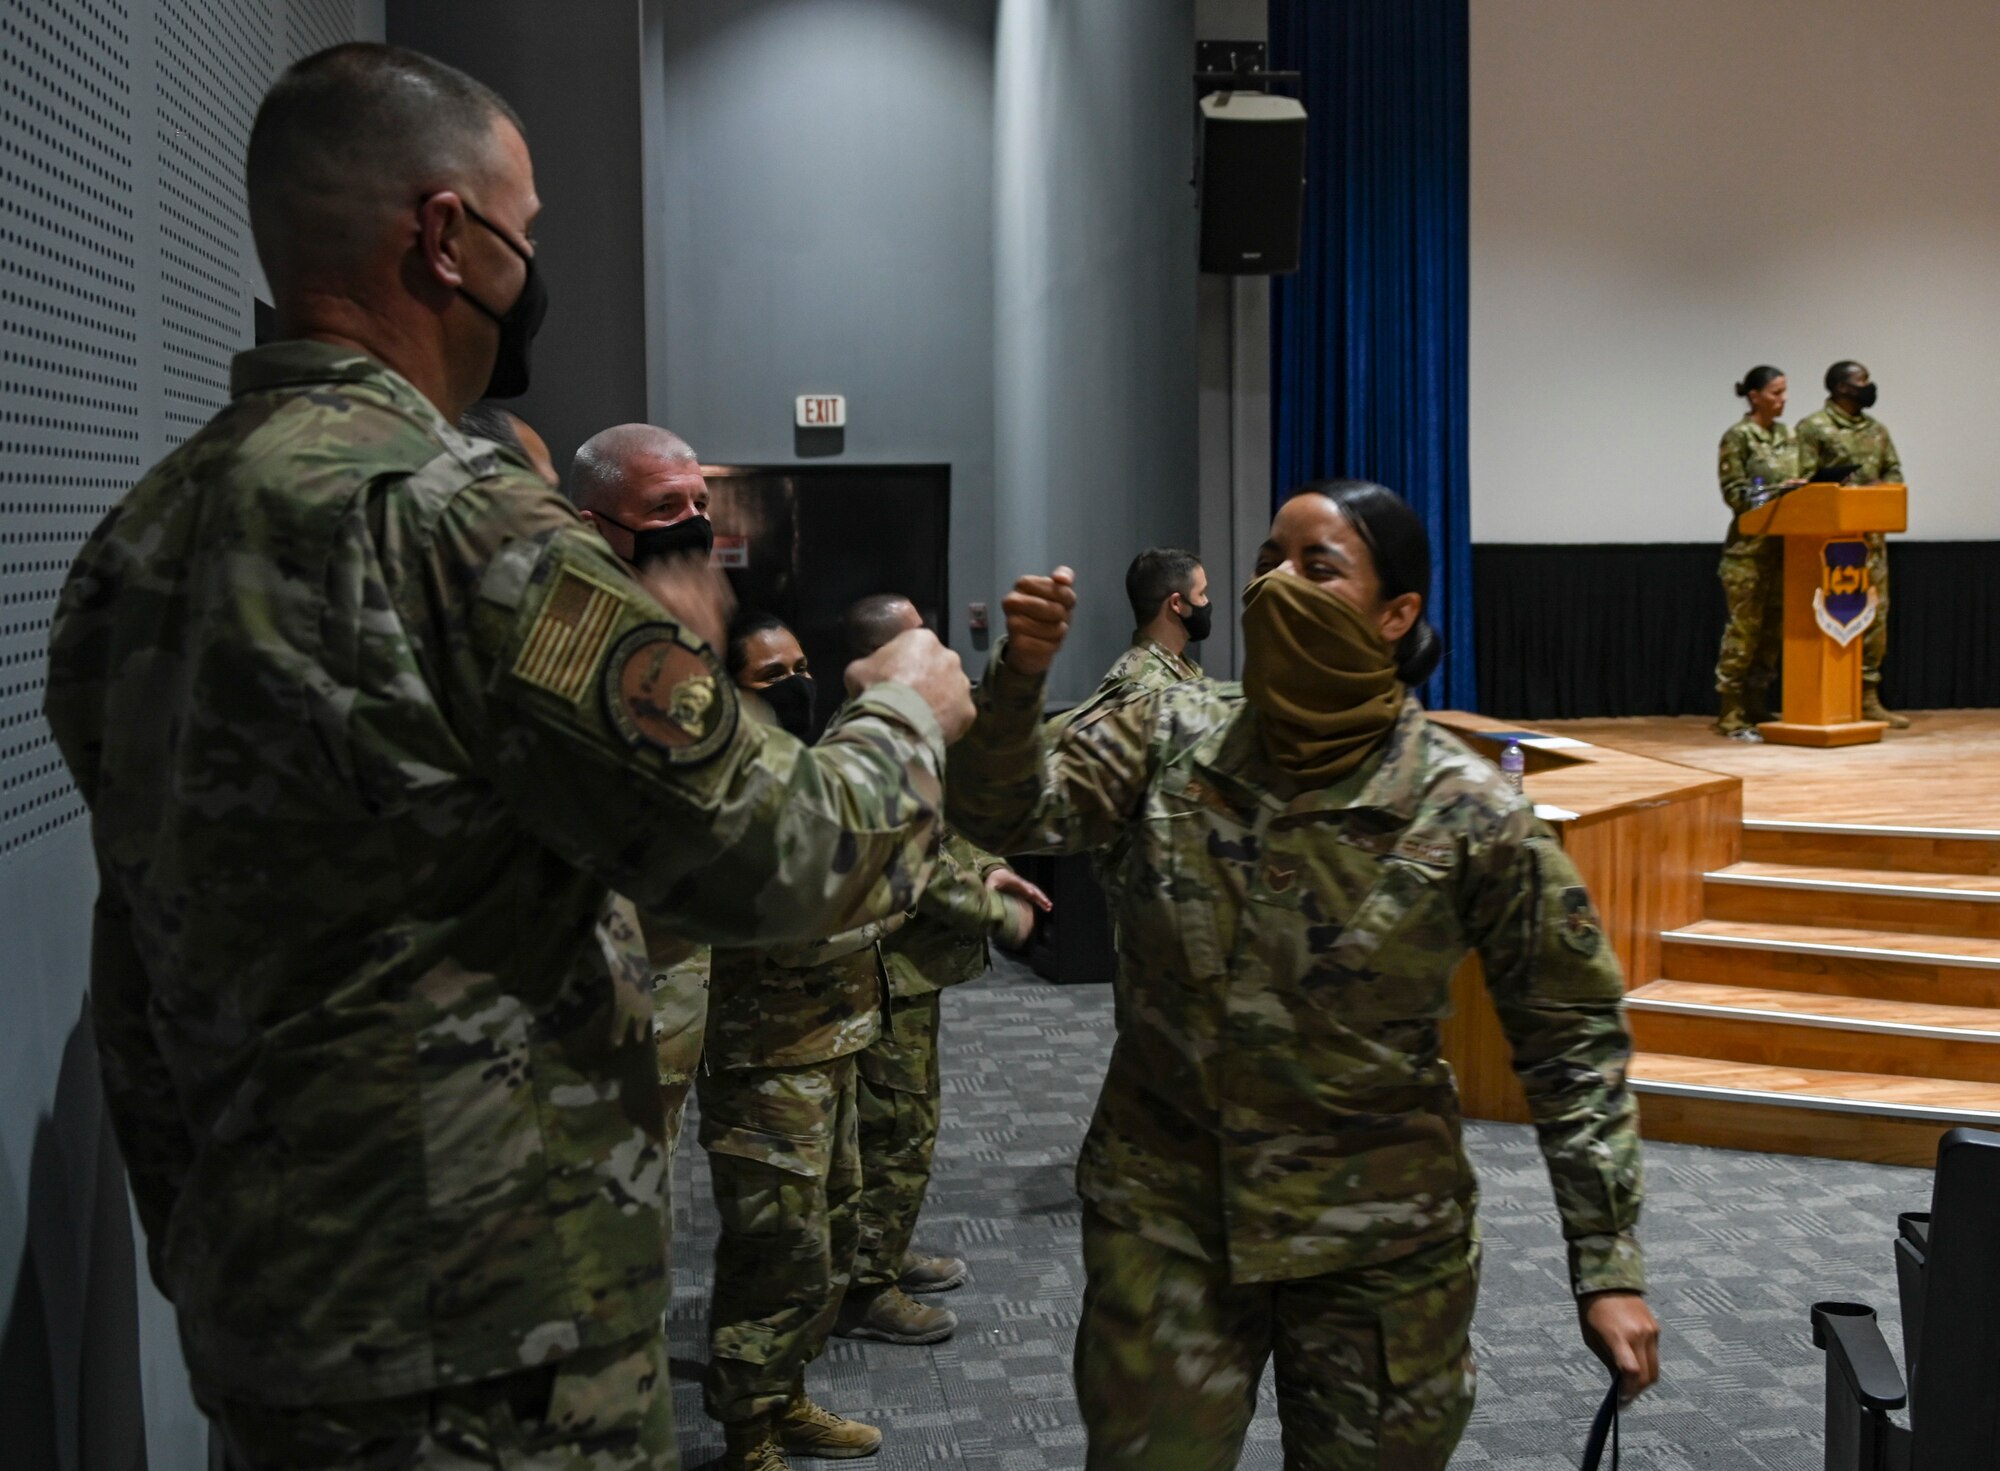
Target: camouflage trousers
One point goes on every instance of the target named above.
(898, 1109)
(606, 1409)
(785, 1159)
(680, 1016)
(1753, 583)
(1875, 642)
(1374, 1366)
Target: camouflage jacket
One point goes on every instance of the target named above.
(371, 725)
(1145, 667)
(794, 1005)
(1750, 453)
(944, 943)
(1275, 1099)
(1832, 436)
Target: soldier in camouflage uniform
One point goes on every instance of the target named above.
(778, 1119)
(1843, 433)
(629, 482)
(1275, 1163)
(973, 896)
(371, 727)
(1758, 458)
(1168, 591)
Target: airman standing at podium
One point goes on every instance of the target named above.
(1843, 433)
(1759, 457)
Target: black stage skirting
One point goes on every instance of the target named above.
(1585, 631)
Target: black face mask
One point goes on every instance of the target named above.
(1864, 396)
(689, 536)
(518, 324)
(1197, 621)
(791, 700)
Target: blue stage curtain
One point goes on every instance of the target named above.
(1368, 367)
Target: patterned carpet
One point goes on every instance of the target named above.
(1738, 1246)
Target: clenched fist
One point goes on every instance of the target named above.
(1038, 612)
(917, 659)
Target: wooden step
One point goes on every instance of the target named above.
(1798, 1029)
(1944, 970)
(1883, 899)
(1789, 1110)
(1866, 845)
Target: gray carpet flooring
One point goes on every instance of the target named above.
(1738, 1246)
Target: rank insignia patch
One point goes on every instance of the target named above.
(664, 689)
(1580, 929)
(562, 650)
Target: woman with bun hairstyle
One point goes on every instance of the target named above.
(1758, 458)
(1275, 1169)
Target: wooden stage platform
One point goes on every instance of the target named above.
(1811, 937)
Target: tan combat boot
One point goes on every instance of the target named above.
(1734, 721)
(752, 1445)
(806, 1429)
(1872, 708)
(891, 1315)
(932, 1273)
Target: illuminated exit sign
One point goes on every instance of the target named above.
(821, 410)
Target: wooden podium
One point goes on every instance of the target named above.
(1826, 594)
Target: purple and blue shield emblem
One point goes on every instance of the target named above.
(1844, 603)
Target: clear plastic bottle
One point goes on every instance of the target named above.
(1513, 765)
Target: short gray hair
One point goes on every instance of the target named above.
(598, 470)
(349, 135)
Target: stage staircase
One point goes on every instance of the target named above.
(1840, 996)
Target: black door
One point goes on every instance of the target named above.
(804, 541)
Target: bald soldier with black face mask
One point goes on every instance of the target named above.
(374, 731)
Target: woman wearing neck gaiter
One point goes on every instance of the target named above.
(1275, 1169)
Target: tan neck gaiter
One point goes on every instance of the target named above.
(1319, 676)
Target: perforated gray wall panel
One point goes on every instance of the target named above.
(127, 285)
(127, 282)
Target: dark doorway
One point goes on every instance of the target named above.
(804, 541)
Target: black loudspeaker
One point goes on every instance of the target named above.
(1253, 183)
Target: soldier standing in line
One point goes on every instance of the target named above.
(642, 489)
(1168, 591)
(488, 420)
(1275, 1164)
(779, 1091)
(974, 896)
(371, 726)
(1844, 433)
(1758, 458)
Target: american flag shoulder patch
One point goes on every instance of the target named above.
(570, 633)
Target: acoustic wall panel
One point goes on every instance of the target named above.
(127, 282)
(71, 389)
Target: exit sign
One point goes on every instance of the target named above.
(822, 411)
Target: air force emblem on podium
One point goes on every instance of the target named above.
(1844, 604)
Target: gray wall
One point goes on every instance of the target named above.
(1095, 301)
(826, 227)
(572, 72)
(128, 283)
(1235, 416)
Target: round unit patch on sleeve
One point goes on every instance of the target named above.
(663, 688)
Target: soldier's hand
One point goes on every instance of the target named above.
(917, 659)
(1620, 1329)
(1038, 612)
(1006, 881)
(695, 593)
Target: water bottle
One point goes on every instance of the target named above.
(1757, 490)
(1513, 765)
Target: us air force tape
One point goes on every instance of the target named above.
(664, 689)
